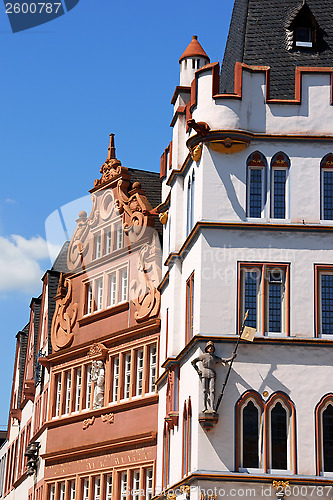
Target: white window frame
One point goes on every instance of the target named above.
(98, 245)
(78, 388)
(149, 483)
(88, 386)
(52, 492)
(123, 284)
(72, 490)
(152, 367)
(97, 488)
(123, 486)
(115, 384)
(108, 487)
(139, 372)
(112, 279)
(260, 441)
(119, 236)
(68, 392)
(86, 489)
(136, 485)
(90, 298)
(127, 375)
(62, 489)
(108, 240)
(99, 293)
(58, 395)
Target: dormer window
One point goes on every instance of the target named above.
(303, 37)
(302, 30)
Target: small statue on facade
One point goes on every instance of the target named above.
(98, 377)
(208, 374)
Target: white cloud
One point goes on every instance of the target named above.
(11, 201)
(19, 262)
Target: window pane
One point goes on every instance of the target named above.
(136, 485)
(328, 438)
(152, 368)
(127, 376)
(328, 195)
(275, 296)
(255, 201)
(89, 299)
(86, 489)
(279, 437)
(123, 486)
(279, 201)
(112, 289)
(149, 484)
(88, 386)
(78, 389)
(250, 297)
(250, 436)
(109, 487)
(139, 372)
(115, 379)
(99, 292)
(327, 303)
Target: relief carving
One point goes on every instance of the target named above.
(109, 418)
(144, 293)
(98, 378)
(64, 316)
(87, 423)
(97, 350)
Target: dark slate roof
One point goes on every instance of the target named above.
(257, 36)
(23, 344)
(60, 263)
(150, 183)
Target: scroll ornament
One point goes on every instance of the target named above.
(144, 293)
(64, 317)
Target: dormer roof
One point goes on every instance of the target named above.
(194, 49)
(261, 34)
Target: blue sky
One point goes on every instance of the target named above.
(103, 67)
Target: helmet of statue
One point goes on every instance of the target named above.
(208, 345)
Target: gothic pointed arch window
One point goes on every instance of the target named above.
(249, 429)
(279, 186)
(281, 433)
(324, 435)
(256, 185)
(190, 203)
(187, 437)
(326, 168)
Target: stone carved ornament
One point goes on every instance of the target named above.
(98, 378)
(143, 289)
(64, 316)
(110, 192)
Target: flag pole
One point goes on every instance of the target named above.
(231, 362)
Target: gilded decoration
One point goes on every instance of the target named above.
(196, 152)
(64, 317)
(87, 423)
(108, 418)
(143, 290)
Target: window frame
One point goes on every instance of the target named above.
(326, 165)
(240, 406)
(263, 268)
(320, 270)
(256, 161)
(189, 308)
(325, 401)
(280, 161)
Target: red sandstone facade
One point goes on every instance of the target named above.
(98, 409)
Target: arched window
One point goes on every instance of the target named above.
(256, 185)
(324, 435)
(265, 433)
(279, 181)
(280, 428)
(166, 456)
(190, 203)
(249, 421)
(187, 437)
(326, 167)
